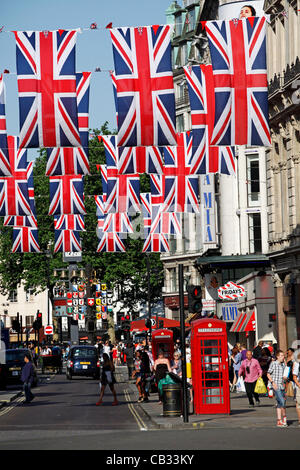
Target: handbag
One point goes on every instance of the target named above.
(290, 390)
(260, 387)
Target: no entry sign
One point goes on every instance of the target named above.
(48, 330)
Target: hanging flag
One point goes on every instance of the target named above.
(66, 195)
(5, 169)
(123, 194)
(114, 84)
(181, 188)
(154, 242)
(25, 240)
(100, 206)
(205, 158)
(129, 160)
(110, 242)
(238, 54)
(14, 192)
(47, 88)
(156, 221)
(67, 240)
(69, 222)
(25, 220)
(145, 89)
(118, 223)
(74, 161)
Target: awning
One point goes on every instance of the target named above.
(244, 322)
(139, 325)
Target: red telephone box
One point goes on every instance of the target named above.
(210, 374)
(162, 340)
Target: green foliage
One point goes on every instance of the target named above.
(126, 270)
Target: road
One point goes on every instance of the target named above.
(64, 416)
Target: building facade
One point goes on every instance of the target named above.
(229, 239)
(283, 163)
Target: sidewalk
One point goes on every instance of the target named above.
(241, 415)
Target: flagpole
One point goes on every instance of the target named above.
(183, 353)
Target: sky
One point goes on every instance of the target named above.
(93, 48)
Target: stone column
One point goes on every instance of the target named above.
(281, 319)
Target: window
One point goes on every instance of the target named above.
(253, 185)
(180, 123)
(13, 296)
(190, 19)
(178, 25)
(29, 320)
(30, 295)
(255, 233)
(173, 279)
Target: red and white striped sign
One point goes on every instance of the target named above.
(48, 330)
(231, 291)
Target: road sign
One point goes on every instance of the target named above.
(48, 330)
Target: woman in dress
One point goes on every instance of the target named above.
(107, 378)
(161, 367)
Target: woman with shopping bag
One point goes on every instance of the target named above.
(251, 371)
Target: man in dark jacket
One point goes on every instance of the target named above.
(27, 377)
(129, 351)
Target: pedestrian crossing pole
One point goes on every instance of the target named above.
(182, 339)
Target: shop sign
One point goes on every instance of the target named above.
(231, 291)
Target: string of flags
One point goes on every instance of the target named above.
(229, 107)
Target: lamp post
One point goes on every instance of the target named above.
(182, 335)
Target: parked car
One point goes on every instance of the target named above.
(11, 369)
(83, 360)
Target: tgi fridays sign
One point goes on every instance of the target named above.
(231, 291)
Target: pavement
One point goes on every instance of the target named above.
(241, 416)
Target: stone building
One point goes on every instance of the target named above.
(283, 163)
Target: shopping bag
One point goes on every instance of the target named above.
(270, 390)
(286, 372)
(240, 385)
(260, 387)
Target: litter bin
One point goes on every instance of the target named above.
(172, 399)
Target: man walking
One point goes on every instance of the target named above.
(296, 378)
(251, 371)
(275, 376)
(27, 377)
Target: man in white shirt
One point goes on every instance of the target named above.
(296, 378)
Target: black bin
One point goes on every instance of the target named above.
(172, 399)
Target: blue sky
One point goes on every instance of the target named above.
(93, 47)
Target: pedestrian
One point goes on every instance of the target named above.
(107, 378)
(236, 358)
(161, 367)
(243, 350)
(251, 371)
(296, 378)
(276, 377)
(176, 364)
(115, 355)
(137, 374)
(106, 348)
(264, 362)
(27, 377)
(257, 351)
(145, 370)
(129, 353)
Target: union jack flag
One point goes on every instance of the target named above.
(167, 223)
(123, 194)
(110, 242)
(129, 160)
(25, 240)
(25, 220)
(238, 54)
(66, 195)
(114, 83)
(5, 169)
(67, 240)
(101, 206)
(69, 222)
(47, 89)
(181, 188)
(74, 161)
(145, 88)
(14, 190)
(154, 242)
(205, 158)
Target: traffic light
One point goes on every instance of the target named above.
(37, 324)
(195, 299)
(125, 322)
(16, 326)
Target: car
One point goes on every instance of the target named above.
(11, 369)
(83, 360)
